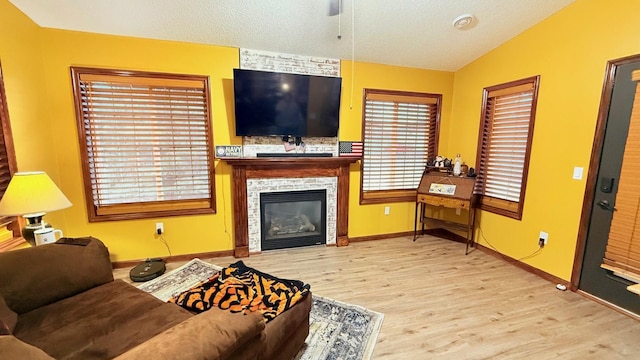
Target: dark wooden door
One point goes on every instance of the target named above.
(594, 279)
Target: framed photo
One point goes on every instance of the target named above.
(442, 189)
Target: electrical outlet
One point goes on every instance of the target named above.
(159, 228)
(543, 238)
(387, 210)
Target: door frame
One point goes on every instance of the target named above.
(594, 164)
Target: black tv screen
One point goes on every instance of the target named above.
(270, 103)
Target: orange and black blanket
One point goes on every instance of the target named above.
(239, 288)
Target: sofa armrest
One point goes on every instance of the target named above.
(213, 334)
(12, 348)
(37, 276)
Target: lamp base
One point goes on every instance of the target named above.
(34, 222)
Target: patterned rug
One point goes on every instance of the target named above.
(336, 330)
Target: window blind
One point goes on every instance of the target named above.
(622, 253)
(5, 171)
(400, 135)
(504, 146)
(147, 142)
(7, 158)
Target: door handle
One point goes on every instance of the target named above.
(605, 205)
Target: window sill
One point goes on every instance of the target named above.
(387, 196)
(12, 244)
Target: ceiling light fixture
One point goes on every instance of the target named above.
(464, 22)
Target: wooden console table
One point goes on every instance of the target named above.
(461, 198)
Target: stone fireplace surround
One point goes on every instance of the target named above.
(250, 176)
(257, 186)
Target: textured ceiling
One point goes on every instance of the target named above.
(413, 33)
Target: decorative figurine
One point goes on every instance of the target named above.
(472, 172)
(457, 166)
(439, 161)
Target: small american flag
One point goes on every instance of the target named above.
(350, 148)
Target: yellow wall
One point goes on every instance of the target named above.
(366, 220)
(569, 51)
(134, 239)
(21, 59)
(57, 50)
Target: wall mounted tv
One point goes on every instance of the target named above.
(271, 103)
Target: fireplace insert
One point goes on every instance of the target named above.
(293, 218)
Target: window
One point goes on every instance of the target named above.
(504, 146)
(400, 135)
(622, 255)
(9, 227)
(146, 143)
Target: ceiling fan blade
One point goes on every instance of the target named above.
(335, 7)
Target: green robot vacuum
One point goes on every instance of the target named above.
(148, 270)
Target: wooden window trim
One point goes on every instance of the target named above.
(396, 195)
(150, 209)
(507, 208)
(14, 224)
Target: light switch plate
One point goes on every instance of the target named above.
(577, 172)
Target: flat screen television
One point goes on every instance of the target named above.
(271, 103)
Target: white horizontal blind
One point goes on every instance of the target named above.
(399, 137)
(147, 139)
(507, 145)
(504, 144)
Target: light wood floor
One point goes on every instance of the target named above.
(440, 304)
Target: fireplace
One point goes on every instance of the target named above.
(293, 218)
(252, 176)
(258, 186)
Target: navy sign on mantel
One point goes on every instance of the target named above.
(228, 151)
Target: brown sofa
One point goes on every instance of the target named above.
(59, 301)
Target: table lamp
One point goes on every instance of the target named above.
(31, 195)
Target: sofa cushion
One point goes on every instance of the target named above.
(279, 331)
(12, 348)
(37, 276)
(8, 318)
(213, 334)
(99, 323)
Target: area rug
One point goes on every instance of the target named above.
(336, 330)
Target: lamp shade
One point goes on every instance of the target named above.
(32, 192)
